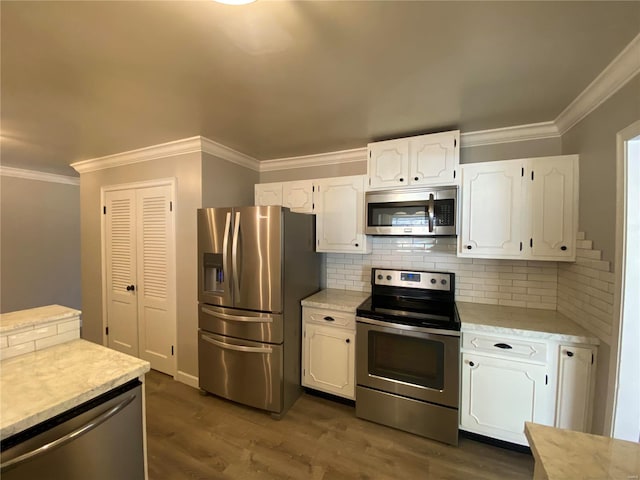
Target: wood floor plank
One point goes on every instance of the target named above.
(191, 436)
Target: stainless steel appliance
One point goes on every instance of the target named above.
(255, 265)
(407, 353)
(422, 211)
(100, 439)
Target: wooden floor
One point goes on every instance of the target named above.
(191, 436)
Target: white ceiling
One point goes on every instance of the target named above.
(277, 79)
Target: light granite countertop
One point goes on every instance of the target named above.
(335, 299)
(527, 322)
(34, 316)
(39, 385)
(562, 454)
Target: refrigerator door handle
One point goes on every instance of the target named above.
(59, 442)
(237, 318)
(225, 245)
(234, 258)
(238, 348)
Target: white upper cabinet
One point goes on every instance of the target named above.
(520, 209)
(554, 198)
(268, 194)
(298, 195)
(491, 209)
(422, 160)
(340, 215)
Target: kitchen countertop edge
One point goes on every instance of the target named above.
(336, 299)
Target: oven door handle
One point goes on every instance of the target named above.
(237, 348)
(408, 328)
(432, 212)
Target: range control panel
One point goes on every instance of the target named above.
(412, 279)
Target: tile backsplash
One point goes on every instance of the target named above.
(520, 283)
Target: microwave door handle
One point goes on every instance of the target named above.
(234, 258)
(225, 247)
(431, 211)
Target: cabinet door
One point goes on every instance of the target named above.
(268, 194)
(491, 210)
(298, 196)
(575, 367)
(340, 215)
(433, 159)
(552, 194)
(328, 360)
(499, 395)
(388, 164)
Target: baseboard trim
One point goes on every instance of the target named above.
(187, 379)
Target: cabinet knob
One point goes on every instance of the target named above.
(416, 178)
(471, 364)
(469, 247)
(356, 244)
(348, 340)
(569, 354)
(402, 179)
(131, 288)
(563, 248)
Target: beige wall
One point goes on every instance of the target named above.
(511, 151)
(308, 173)
(186, 169)
(594, 138)
(225, 184)
(39, 244)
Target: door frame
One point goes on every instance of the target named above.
(160, 182)
(622, 137)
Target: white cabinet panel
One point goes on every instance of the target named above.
(388, 164)
(298, 196)
(499, 395)
(491, 210)
(340, 215)
(575, 386)
(268, 194)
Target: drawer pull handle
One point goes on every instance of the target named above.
(330, 319)
(504, 346)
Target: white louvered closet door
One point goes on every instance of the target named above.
(156, 277)
(140, 267)
(122, 304)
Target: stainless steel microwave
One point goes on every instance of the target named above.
(416, 211)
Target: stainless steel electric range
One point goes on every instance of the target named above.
(407, 353)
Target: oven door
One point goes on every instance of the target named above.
(411, 363)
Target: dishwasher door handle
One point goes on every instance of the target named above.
(59, 442)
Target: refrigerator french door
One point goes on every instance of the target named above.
(255, 264)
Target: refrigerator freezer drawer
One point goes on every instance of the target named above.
(255, 326)
(243, 371)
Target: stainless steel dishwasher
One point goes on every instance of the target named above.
(100, 439)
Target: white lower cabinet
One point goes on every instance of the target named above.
(499, 395)
(575, 387)
(509, 380)
(328, 351)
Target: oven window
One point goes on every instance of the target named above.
(398, 214)
(412, 360)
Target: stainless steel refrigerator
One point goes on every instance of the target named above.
(255, 265)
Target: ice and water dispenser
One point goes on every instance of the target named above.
(213, 273)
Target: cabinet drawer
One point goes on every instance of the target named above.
(329, 317)
(509, 347)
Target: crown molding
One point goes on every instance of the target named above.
(518, 133)
(163, 150)
(37, 175)
(316, 160)
(228, 154)
(621, 69)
